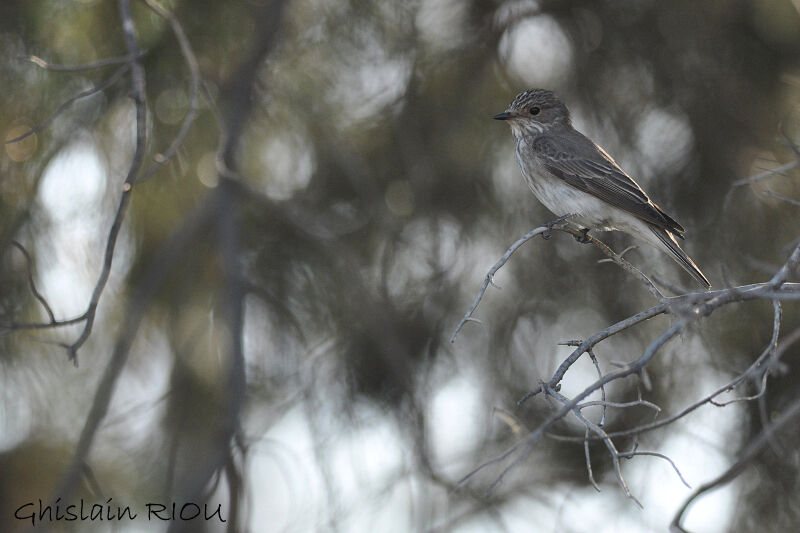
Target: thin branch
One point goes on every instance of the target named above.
(778, 196)
(544, 229)
(237, 91)
(615, 257)
(662, 456)
(621, 405)
(764, 175)
(600, 432)
(19, 326)
(486, 464)
(672, 286)
(31, 284)
(595, 339)
(788, 268)
(169, 255)
(105, 272)
(194, 88)
(767, 357)
(768, 174)
(589, 460)
(63, 107)
(748, 454)
(109, 61)
(602, 389)
(533, 437)
(139, 96)
(761, 390)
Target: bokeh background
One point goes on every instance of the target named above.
(385, 194)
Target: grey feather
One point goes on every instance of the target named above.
(680, 256)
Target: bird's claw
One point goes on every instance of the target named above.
(584, 238)
(547, 233)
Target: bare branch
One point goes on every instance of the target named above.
(544, 229)
(768, 174)
(63, 107)
(762, 389)
(19, 326)
(595, 339)
(602, 388)
(194, 89)
(615, 257)
(109, 61)
(767, 355)
(31, 284)
(662, 456)
(594, 428)
(533, 437)
(748, 454)
(778, 196)
(788, 268)
(167, 257)
(105, 271)
(238, 90)
(139, 97)
(589, 461)
(621, 405)
(760, 367)
(499, 459)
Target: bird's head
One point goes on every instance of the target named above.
(534, 111)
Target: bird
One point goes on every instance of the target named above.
(571, 175)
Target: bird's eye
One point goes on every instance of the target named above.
(535, 110)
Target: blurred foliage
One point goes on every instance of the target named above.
(387, 193)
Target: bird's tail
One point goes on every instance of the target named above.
(679, 255)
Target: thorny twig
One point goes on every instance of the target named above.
(544, 229)
(533, 437)
(597, 430)
(559, 224)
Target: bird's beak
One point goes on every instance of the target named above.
(505, 115)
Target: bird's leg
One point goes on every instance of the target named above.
(584, 238)
(549, 225)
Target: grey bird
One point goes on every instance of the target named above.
(570, 174)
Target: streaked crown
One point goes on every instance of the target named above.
(540, 105)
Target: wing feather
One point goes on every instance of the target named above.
(596, 173)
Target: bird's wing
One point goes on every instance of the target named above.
(599, 175)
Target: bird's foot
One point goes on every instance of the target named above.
(584, 238)
(547, 233)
